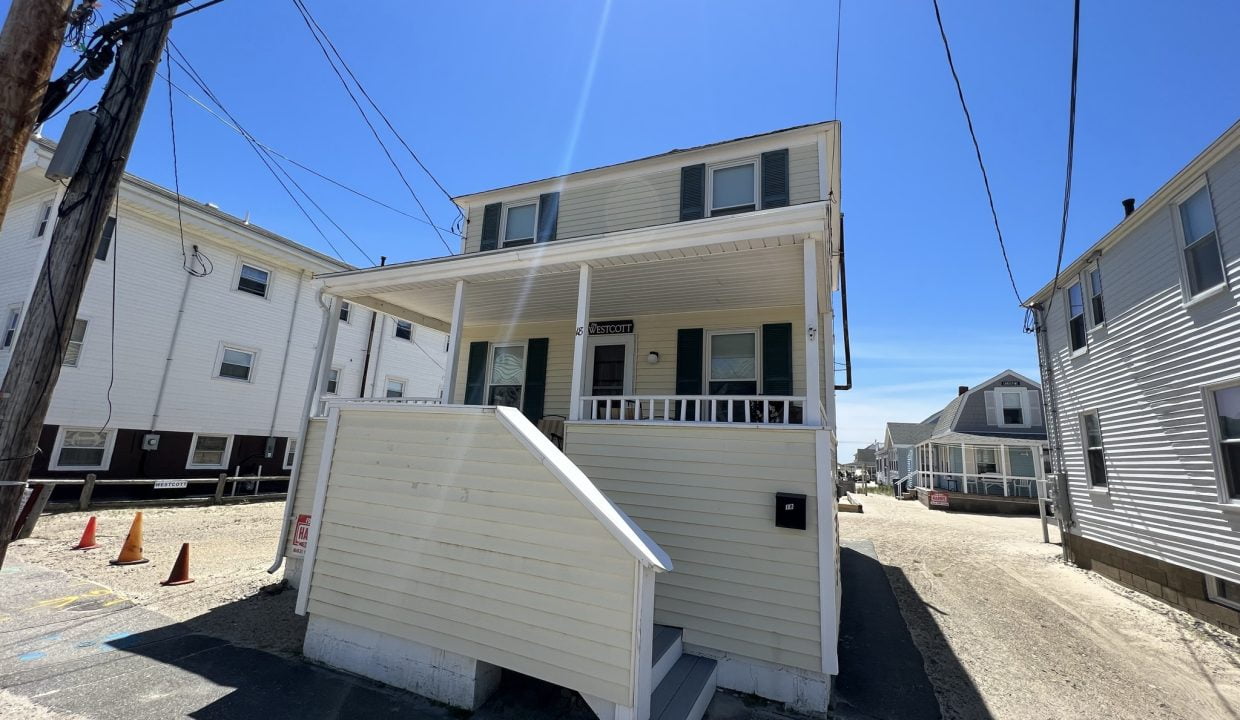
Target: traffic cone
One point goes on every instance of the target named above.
(131, 551)
(180, 570)
(88, 536)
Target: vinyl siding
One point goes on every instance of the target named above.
(308, 459)
(645, 200)
(20, 257)
(706, 495)
(1144, 373)
(440, 527)
(653, 333)
(972, 417)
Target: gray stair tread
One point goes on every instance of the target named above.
(664, 638)
(680, 689)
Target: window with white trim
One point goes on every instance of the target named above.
(1011, 407)
(236, 364)
(1227, 410)
(44, 219)
(1095, 454)
(83, 449)
(1076, 317)
(732, 363)
(987, 460)
(333, 382)
(1223, 592)
(11, 322)
(1203, 260)
(346, 311)
(209, 451)
(404, 330)
(506, 374)
(73, 353)
(395, 388)
(253, 280)
(1095, 295)
(733, 187)
(290, 453)
(520, 222)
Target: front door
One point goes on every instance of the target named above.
(609, 368)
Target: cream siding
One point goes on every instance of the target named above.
(706, 495)
(1144, 373)
(308, 460)
(645, 200)
(442, 528)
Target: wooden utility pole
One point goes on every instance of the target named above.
(29, 42)
(35, 365)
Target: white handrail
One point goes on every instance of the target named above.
(325, 400)
(755, 409)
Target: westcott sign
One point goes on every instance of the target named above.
(612, 327)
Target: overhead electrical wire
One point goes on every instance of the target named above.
(1067, 183)
(835, 97)
(977, 148)
(204, 264)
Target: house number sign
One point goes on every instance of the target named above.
(612, 327)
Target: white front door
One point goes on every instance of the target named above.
(609, 365)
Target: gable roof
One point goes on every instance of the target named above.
(945, 419)
(908, 433)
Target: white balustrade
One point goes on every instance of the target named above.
(753, 409)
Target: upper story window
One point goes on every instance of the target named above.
(1095, 296)
(519, 223)
(733, 363)
(1227, 409)
(1076, 317)
(404, 330)
(253, 280)
(1012, 405)
(43, 220)
(105, 242)
(1095, 455)
(346, 311)
(73, 353)
(1203, 261)
(733, 187)
(11, 321)
(236, 364)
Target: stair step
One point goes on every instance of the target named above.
(667, 649)
(685, 691)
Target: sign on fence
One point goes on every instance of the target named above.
(301, 535)
(939, 499)
(170, 484)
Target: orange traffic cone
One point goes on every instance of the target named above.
(180, 570)
(88, 536)
(131, 551)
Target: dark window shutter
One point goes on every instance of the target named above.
(689, 361)
(105, 242)
(476, 374)
(775, 178)
(693, 192)
(548, 216)
(535, 379)
(777, 359)
(490, 226)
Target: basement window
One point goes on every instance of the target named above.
(209, 451)
(1223, 592)
(73, 353)
(1227, 410)
(82, 449)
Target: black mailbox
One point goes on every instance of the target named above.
(790, 510)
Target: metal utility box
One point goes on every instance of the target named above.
(790, 509)
(68, 156)
(150, 441)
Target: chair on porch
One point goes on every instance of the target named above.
(553, 427)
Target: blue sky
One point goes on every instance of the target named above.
(492, 93)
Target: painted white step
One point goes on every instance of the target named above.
(667, 650)
(685, 690)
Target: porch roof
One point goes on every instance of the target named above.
(737, 261)
(959, 438)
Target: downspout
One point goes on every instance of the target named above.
(288, 344)
(378, 355)
(307, 407)
(848, 382)
(1063, 499)
(370, 342)
(176, 331)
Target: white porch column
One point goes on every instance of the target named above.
(1003, 467)
(448, 395)
(1039, 486)
(813, 385)
(580, 335)
(964, 467)
(329, 350)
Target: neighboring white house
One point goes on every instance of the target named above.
(1141, 354)
(216, 363)
(667, 322)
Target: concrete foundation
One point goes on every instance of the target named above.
(437, 674)
(800, 690)
(292, 572)
(1179, 587)
(989, 504)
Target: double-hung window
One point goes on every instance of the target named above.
(1076, 317)
(519, 223)
(209, 451)
(290, 453)
(733, 187)
(507, 375)
(1227, 409)
(395, 388)
(1203, 262)
(11, 320)
(253, 280)
(404, 330)
(236, 364)
(1095, 456)
(346, 310)
(732, 364)
(1012, 405)
(987, 460)
(1223, 592)
(83, 449)
(1095, 296)
(73, 353)
(44, 219)
(333, 381)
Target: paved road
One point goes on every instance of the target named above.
(1009, 631)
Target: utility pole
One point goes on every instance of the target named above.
(35, 365)
(29, 43)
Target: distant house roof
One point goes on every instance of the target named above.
(909, 433)
(864, 456)
(945, 419)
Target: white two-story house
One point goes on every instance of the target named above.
(1141, 359)
(190, 357)
(627, 487)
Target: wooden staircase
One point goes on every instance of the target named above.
(683, 684)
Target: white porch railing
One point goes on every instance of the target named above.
(321, 408)
(756, 409)
(988, 484)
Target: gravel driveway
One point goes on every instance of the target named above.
(1008, 630)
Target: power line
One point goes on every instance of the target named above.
(310, 25)
(977, 148)
(1067, 183)
(206, 267)
(835, 100)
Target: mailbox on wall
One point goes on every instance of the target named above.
(790, 510)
